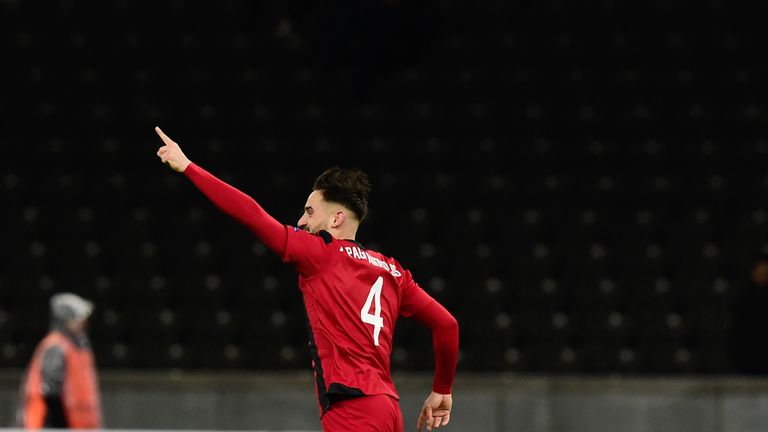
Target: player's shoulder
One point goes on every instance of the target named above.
(368, 251)
(385, 257)
(375, 258)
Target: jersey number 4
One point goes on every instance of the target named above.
(374, 296)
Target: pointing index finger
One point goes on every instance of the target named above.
(163, 136)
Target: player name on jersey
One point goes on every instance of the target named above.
(355, 252)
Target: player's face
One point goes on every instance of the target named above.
(317, 214)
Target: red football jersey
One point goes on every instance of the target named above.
(353, 297)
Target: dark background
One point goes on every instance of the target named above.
(583, 186)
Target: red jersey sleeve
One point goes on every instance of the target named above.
(307, 252)
(413, 296)
(240, 207)
(418, 304)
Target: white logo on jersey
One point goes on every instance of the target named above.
(355, 252)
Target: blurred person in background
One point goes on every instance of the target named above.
(60, 388)
(353, 297)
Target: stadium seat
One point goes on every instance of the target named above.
(570, 195)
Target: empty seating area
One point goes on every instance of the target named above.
(585, 199)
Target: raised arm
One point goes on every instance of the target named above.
(228, 199)
(445, 342)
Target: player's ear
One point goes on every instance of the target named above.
(338, 218)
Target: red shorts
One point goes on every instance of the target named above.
(377, 413)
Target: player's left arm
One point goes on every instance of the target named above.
(436, 410)
(417, 304)
(445, 343)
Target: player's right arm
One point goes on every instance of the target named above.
(228, 199)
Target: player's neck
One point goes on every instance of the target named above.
(344, 233)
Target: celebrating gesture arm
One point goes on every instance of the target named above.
(231, 201)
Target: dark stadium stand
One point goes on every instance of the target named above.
(583, 198)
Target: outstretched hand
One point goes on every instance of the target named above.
(436, 411)
(171, 153)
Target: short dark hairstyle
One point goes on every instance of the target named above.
(349, 188)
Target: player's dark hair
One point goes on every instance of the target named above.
(349, 188)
